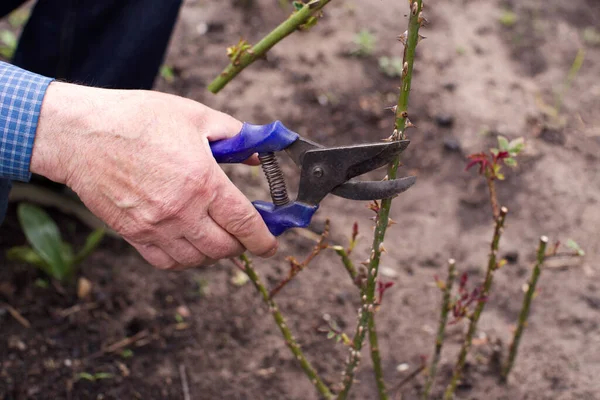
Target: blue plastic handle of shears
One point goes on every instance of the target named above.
(253, 139)
(265, 139)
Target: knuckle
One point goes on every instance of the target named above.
(156, 212)
(132, 230)
(191, 260)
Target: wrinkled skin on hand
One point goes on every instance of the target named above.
(141, 162)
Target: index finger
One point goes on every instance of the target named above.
(234, 213)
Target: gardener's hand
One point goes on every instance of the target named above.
(141, 162)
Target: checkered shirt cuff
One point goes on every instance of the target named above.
(21, 95)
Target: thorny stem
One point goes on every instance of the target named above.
(296, 267)
(493, 197)
(354, 356)
(376, 358)
(535, 274)
(439, 341)
(366, 313)
(487, 284)
(308, 369)
(259, 50)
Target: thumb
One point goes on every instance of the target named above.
(220, 125)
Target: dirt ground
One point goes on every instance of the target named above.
(476, 77)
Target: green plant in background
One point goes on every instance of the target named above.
(19, 17)
(364, 42)
(554, 119)
(575, 67)
(391, 66)
(8, 39)
(591, 36)
(47, 250)
(8, 44)
(508, 18)
(94, 377)
(167, 73)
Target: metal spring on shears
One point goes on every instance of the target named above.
(272, 170)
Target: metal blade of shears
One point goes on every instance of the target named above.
(373, 190)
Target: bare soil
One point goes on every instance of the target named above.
(475, 78)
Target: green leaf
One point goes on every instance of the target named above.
(43, 235)
(28, 255)
(103, 375)
(330, 334)
(9, 39)
(6, 52)
(86, 376)
(494, 151)
(511, 162)
(95, 377)
(516, 146)
(127, 353)
(92, 241)
(298, 5)
(41, 283)
(503, 143)
(574, 246)
(168, 74)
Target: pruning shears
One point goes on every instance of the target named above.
(323, 170)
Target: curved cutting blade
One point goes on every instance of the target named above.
(373, 190)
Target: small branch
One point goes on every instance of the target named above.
(120, 345)
(535, 274)
(439, 341)
(308, 369)
(409, 378)
(184, 383)
(487, 284)
(77, 308)
(17, 315)
(348, 264)
(260, 50)
(296, 267)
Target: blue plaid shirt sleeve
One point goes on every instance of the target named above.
(21, 95)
